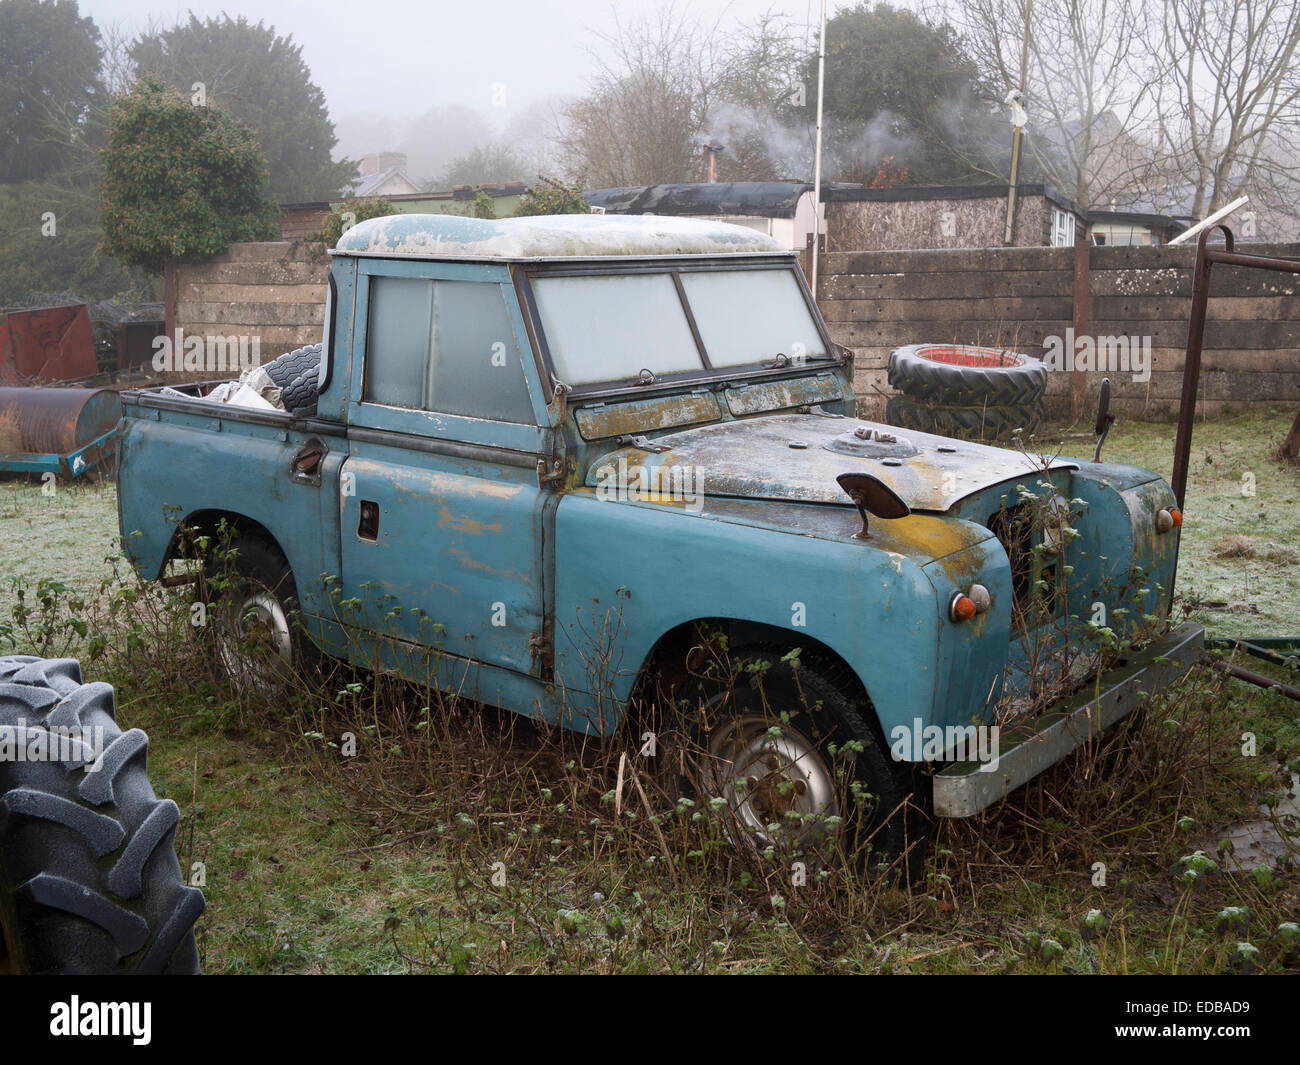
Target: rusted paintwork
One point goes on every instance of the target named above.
(922, 538)
(600, 421)
(754, 459)
(782, 395)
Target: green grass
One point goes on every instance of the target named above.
(384, 863)
(65, 533)
(1252, 593)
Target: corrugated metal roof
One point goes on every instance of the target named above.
(438, 236)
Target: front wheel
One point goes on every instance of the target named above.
(787, 742)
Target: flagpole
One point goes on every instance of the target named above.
(817, 155)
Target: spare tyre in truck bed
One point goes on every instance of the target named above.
(295, 373)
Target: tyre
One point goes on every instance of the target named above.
(772, 737)
(300, 395)
(89, 880)
(296, 374)
(965, 376)
(293, 364)
(964, 423)
(258, 640)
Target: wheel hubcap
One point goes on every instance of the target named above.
(255, 644)
(764, 776)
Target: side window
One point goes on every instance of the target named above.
(444, 346)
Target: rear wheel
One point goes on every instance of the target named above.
(790, 747)
(258, 639)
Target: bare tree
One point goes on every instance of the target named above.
(642, 119)
(1228, 93)
(762, 109)
(669, 83)
(118, 68)
(1084, 95)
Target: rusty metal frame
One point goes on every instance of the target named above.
(1206, 257)
(1281, 651)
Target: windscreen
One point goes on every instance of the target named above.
(748, 316)
(605, 328)
(612, 327)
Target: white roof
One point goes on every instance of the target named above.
(437, 236)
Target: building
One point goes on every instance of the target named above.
(1127, 228)
(917, 217)
(299, 220)
(781, 209)
(382, 174)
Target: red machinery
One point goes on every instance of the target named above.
(46, 344)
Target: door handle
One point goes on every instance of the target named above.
(304, 467)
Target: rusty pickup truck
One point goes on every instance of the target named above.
(557, 463)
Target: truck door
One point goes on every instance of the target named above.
(443, 523)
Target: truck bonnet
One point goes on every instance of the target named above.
(796, 458)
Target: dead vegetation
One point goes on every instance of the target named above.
(1239, 545)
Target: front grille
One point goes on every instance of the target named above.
(1035, 587)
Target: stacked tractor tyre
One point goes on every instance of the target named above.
(973, 393)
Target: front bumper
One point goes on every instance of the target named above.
(966, 788)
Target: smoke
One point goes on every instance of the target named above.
(759, 145)
(864, 145)
(762, 146)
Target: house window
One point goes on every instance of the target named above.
(1062, 228)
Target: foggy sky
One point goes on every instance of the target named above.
(381, 63)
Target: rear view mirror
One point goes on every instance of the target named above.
(1103, 407)
(872, 496)
(1104, 417)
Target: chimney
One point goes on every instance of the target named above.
(711, 151)
(369, 164)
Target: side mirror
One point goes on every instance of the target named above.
(872, 496)
(1104, 417)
